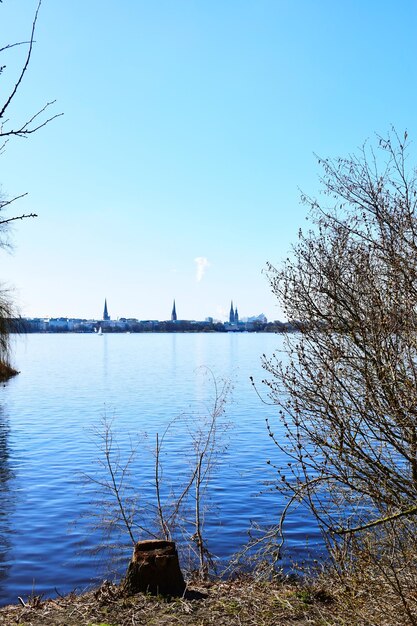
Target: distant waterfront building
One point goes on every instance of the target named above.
(257, 318)
(174, 313)
(58, 324)
(106, 316)
(236, 316)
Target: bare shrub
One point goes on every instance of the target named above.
(172, 507)
(6, 325)
(348, 391)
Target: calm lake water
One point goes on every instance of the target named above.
(48, 413)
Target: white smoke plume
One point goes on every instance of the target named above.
(202, 265)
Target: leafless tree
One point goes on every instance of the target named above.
(347, 390)
(9, 128)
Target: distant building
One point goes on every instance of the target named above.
(231, 314)
(106, 316)
(58, 324)
(174, 313)
(257, 318)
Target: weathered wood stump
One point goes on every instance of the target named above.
(154, 569)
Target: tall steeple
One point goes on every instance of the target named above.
(236, 316)
(174, 313)
(231, 314)
(106, 316)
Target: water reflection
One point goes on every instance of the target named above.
(6, 497)
(104, 339)
(174, 354)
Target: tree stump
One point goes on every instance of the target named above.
(154, 569)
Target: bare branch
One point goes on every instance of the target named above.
(4, 203)
(18, 217)
(25, 66)
(12, 45)
(383, 520)
(24, 130)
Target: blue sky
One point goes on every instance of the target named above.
(189, 128)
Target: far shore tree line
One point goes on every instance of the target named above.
(63, 325)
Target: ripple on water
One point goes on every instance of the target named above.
(68, 383)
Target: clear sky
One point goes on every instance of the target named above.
(189, 128)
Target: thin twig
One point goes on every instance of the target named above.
(18, 217)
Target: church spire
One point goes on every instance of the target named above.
(231, 314)
(174, 313)
(106, 315)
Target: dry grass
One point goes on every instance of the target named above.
(324, 601)
(242, 601)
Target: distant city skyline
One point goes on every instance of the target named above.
(189, 130)
(172, 316)
(133, 325)
(222, 314)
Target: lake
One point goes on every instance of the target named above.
(49, 416)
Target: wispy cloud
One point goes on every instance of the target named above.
(202, 264)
